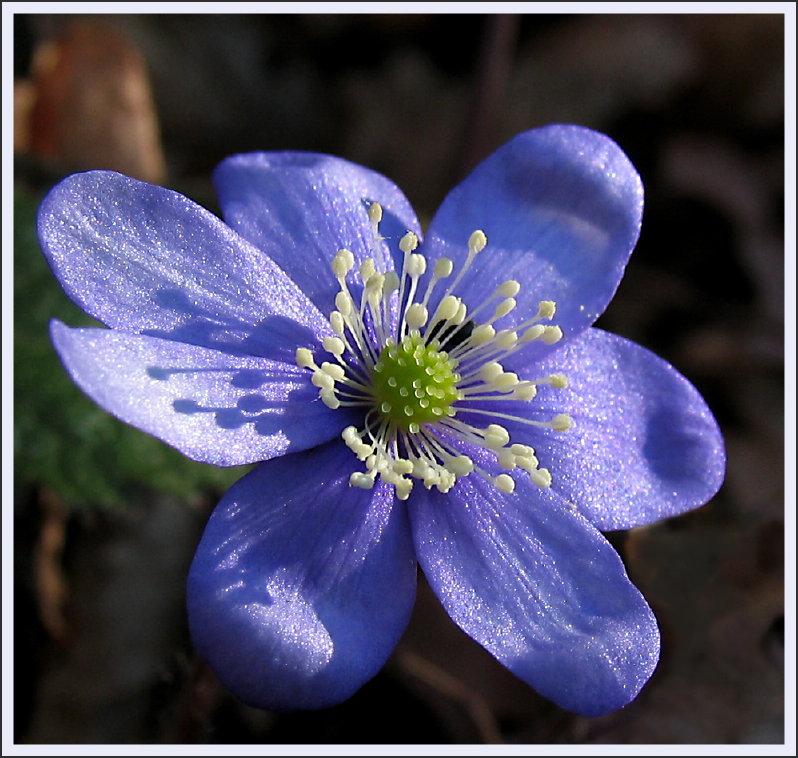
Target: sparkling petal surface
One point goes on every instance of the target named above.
(301, 585)
(212, 406)
(144, 259)
(644, 446)
(301, 208)
(536, 585)
(561, 207)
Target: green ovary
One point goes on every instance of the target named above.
(414, 384)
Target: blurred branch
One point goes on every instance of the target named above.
(202, 693)
(89, 104)
(493, 72)
(51, 585)
(450, 689)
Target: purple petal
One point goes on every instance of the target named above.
(212, 406)
(144, 259)
(536, 585)
(301, 585)
(644, 446)
(561, 208)
(301, 208)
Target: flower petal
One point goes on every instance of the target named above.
(536, 585)
(144, 259)
(212, 406)
(561, 207)
(644, 445)
(301, 208)
(301, 585)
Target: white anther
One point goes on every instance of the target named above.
(477, 241)
(496, 436)
(446, 481)
(541, 477)
(330, 399)
(489, 372)
(522, 451)
(342, 263)
(359, 479)
(533, 333)
(448, 307)
(560, 381)
(525, 391)
(459, 317)
(504, 307)
(552, 334)
(506, 339)
(416, 316)
(420, 468)
(460, 465)
(506, 382)
(343, 302)
(510, 288)
(390, 284)
(403, 488)
(374, 287)
(362, 450)
(504, 483)
(402, 466)
(337, 323)
(408, 243)
(506, 459)
(443, 268)
(367, 269)
(334, 370)
(528, 464)
(482, 334)
(322, 381)
(375, 213)
(334, 345)
(546, 309)
(562, 422)
(349, 435)
(304, 358)
(416, 265)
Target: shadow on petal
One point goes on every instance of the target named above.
(275, 337)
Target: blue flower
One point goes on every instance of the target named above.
(443, 403)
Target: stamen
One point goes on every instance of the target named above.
(443, 268)
(503, 308)
(342, 263)
(414, 374)
(375, 217)
(551, 334)
(334, 345)
(476, 244)
(504, 483)
(416, 316)
(304, 358)
(375, 214)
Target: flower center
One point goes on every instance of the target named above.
(425, 376)
(415, 383)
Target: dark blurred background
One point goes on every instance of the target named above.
(106, 518)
